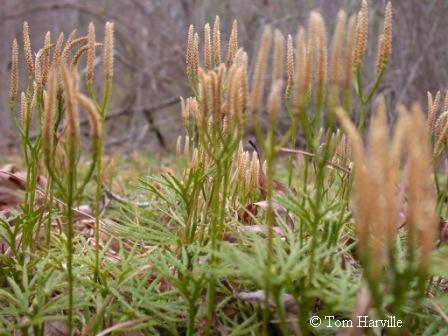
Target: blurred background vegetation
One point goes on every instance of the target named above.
(150, 42)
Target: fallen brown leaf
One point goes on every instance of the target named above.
(247, 213)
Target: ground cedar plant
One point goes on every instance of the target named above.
(339, 219)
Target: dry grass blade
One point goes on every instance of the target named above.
(123, 326)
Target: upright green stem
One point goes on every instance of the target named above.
(270, 155)
(215, 206)
(98, 209)
(98, 163)
(50, 211)
(70, 200)
(365, 100)
(362, 118)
